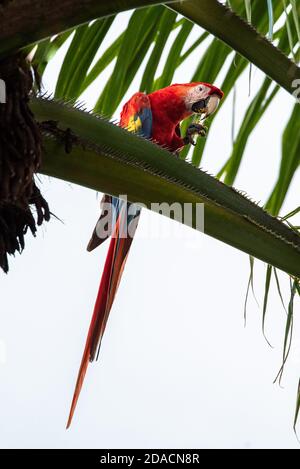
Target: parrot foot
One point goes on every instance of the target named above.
(66, 136)
(194, 129)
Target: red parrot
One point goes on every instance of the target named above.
(157, 116)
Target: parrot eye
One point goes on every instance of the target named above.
(200, 88)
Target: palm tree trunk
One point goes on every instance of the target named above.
(24, 22)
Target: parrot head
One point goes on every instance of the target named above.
(203, 98)
(199, 98)
(179, 101)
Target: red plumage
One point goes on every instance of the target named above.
(169, 109)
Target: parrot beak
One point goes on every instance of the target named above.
(212, 104)
(206, 106)
(200, 106)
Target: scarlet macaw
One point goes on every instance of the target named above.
(157, 116)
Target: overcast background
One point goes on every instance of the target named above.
(177, 368)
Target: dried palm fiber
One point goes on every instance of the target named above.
(20, 158)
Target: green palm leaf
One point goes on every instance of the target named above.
(147, 173)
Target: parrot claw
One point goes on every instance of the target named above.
(194, 129)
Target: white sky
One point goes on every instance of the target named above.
(177, 368)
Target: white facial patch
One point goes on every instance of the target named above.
(196, 94)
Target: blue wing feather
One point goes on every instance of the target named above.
(146, 119)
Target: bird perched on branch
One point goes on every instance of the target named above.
(157, 116)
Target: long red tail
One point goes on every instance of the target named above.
(113, 268)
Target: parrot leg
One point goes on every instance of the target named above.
(194, 129)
